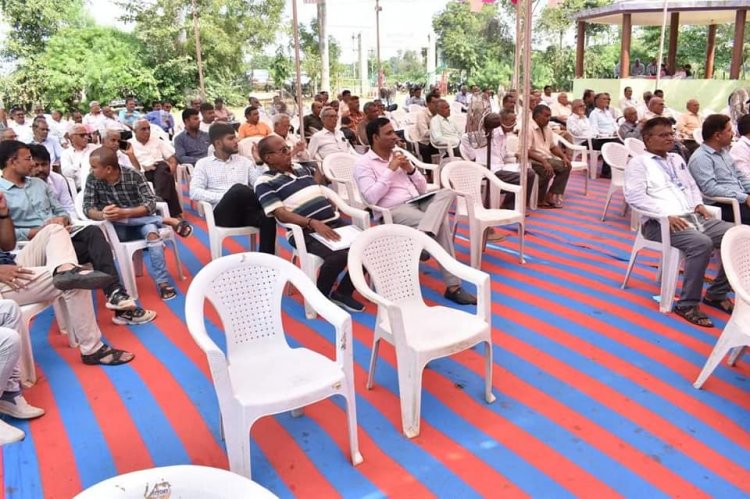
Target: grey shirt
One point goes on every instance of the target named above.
(716, 176)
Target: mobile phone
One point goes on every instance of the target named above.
(123, 145)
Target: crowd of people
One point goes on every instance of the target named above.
(122, 165)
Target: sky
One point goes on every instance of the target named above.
(403, 23)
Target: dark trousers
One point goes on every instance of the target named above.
(597, 145)
(334, 262)
(426, 151)
(515, 179)
(727, 214)
(240, 208)
(560, 172)
(91, 247)
(164, 186)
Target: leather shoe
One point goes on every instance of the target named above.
(80, 278)
(460, 297)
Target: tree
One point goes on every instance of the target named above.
(312, 62)
(281, 68)
(32, 24)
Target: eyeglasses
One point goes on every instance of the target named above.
(665, 135)
(283, 150)
(79, 134)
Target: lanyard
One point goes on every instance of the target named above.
(669, 169)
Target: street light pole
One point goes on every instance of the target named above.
(378, 8)
(297, 65)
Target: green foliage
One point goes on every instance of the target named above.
(33, 23)
(281, 68)
(311, 63)
(406, 66)
(492, 74)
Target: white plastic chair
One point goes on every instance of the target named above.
(511, 149)
(616, 156)
(217, 234)
(182, 174)
(260, 374)
(465, 179)
(309, 263)
(129, 254)
(419, 333)
(432, 168)
(28, 312)
(177, 481)
(411, 140)
(577, 165)
(736, 214)
(635, 147)
(189, 173)
(245, 146)
(414, 108)
(735, 256)
(338, 167)
(698, 136)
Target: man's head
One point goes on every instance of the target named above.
(15, 156)
(8, 134)
(79, 136)
(325, 96)
(541, 115)
(381, 135)
(693, 106)
(208, 113)
(656, 105)
(252, 115)
(659, 93)
(130, 104)
(743, 126)
(142, 130)
(431, 101)
(507, 120)
(76, 116)
(562, 98)
(464, 89)
(637, 62)
(195, 103)
(274, 152)
(317, 107)
(167, 107)
(658, 136)
(335, 105)
(717, 130)
(329, 117)
(111, 139)
(94, 107)
(104, 165)
(156, 105)
(253, 101)
(192, 119)
(588, 97)
(548, 90)
(223, 138)
(346, 95)
(628, 92)
(418, 92)
(647, 96)
(18, 115)
(353, 104)
(219, 103)
(281, 124)
(509, 102)
(601, 101)
(57, 115)
(106, 111)
(491, 121)
(371, 110)
(40, 128)
(443, 108)
(578, 107)
(630, 114)
(534, 101)
(38, 110)
(318, 98)
(41, 159)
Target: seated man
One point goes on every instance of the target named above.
(714, 171)
(122, 196)
(422, 126)
(19, 125)
(330, 139)
(47, 269)
(225, 179)
(372, 111)
(253, 127)
(221, 113)
(129, 115)
(740, 151)
(547, 159)
(443, 133)
(95, 119)
(281, 125)
(157, 160)
(192, 143)
(41, 136)
(74, 162)
(687, 123)
(656, 109)
(56, 182)
(33, 208)
(313, 123)
(630, 128)
(604, 127)
(388, 179)
(112, 140)
(354, 113)
(560, 109)
(208, 116)
(658, 182)
(627, 100)
(291, 193)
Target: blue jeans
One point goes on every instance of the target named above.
(139, 228)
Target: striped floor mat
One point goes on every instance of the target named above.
(593, 387)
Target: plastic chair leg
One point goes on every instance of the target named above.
(26, 362)
(373, 362)
(670, 273)
(606, 203)
(237, 441)
(351, 420)
(631, 263)
(735, 354)
(521, 241)
(489, 397)
(730, 338)
(410, 393)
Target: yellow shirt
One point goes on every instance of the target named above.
(540, 141)
(687, 123)
(250, 130)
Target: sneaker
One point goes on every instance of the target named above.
(133, 317)
(461, 297)
(10, 434)
(17, 407)
(346, 302)
(119, 300)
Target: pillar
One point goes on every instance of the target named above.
(710, 49)
(627, 30)
(739, 42)
(674, 25)
(580, 43)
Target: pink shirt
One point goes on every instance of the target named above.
(381, 186)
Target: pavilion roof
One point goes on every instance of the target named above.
(692, 12)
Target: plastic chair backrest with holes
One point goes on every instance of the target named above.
(245, 146)
(635, 147)
(735, 256)
(464, 177)
(615, 154)
(339, 169)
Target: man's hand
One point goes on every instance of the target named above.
(324, 230)
(566, 160)
(4, 205)
(702, 210)
(547, 167)
(112, 213)
(298, 148)
(14, 276)
(64, 221)
(677, 224)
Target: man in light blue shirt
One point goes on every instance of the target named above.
(129, 115)
(713, 168)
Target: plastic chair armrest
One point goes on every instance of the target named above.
(731, 201)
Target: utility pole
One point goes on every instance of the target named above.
(378, 8)
(298, 72)
(198, 56)
(325, 76)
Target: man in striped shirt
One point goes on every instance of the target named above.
(292, 194)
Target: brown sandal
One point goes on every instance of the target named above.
(693, 315)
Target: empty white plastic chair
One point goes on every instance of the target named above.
(635, 147)
(580, 161)
(616, 156)
(245, 146)
(260, 374)
(465, 179)
(735, 256)
(338, 167)
(217, 234)
(420, 333)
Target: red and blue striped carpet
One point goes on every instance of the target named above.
(593, 386)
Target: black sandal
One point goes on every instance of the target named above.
(183, 229)
(167, 292)
(116, 357)
(726, 305)
(694, 316)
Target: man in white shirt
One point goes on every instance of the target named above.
(658, 182)
(561, 109)
(110, 120)
(604, 126)
(330, 139)
(627, 100)
(442, 132)
(547, 97)
(158, 162)
(112, 139)
(225, 179)
(281, 124)
(41, 130)
(95, 118)
(19, 125)
(74, 162)
(56, 182)
(208, 116)
(422, 127)
(740, 151)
